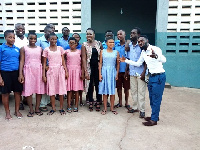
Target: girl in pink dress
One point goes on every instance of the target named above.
(57, 73)
(30, 73)
(75, 80)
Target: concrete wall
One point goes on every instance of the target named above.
(178, 36)
(106, 14)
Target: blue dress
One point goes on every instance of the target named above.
(108, 71)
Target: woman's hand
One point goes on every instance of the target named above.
(100, 78)
(21, 78)
(44, 79)
(116, 78)
(47, 68)
(1, 82)
(87, 75)
(66, 75)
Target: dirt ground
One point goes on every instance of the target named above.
(178, 128)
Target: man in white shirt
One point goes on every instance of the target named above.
(20, 41)
(154, 59)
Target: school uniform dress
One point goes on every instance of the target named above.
(74, 82)
(108, 71)
(157, 77)
(9, 66)
(56, 83)
(33, 72)
(43, 43)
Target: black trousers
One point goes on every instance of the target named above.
(94, 80)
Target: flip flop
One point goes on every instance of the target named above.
(127, 106)
(62, 112)
(8, 119)
(39, 113)
(114, 112)
(30, 114)
(18, 117)
(51, 112)
(118, 105)
(69, 110)
(103, 112)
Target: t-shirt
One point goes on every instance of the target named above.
(9, 58)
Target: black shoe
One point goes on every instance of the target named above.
(150, 123)
(21, 106)
(149, 118)
(108, 104)
(142, 114)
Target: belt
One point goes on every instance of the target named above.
(154, 74)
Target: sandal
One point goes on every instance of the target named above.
(127, 106)
(114, 112)
(18, 117)
(75, 109)
(39, 113)
(131, 110)
(82, 104)
(97, 106)
(44, 109)
(69, 110)
(30, 114)
(62, 112)
(91, 106)
(103, 112)
(118, 105)
(51, 112)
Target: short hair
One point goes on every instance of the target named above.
(52, 34)
(64, 28)
(18, 24)
(8, 32)
(138, 30)
(46, 28)
(121, 30)
(48, 25)
(108, 31)
(144, 36)
(109, 38)
(32, 33)
(76, 34)
(90, 29)
(72, 38)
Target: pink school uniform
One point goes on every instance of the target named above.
(33, 72)
(56, 83)
(74, 82)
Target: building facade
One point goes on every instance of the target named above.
(172, 25)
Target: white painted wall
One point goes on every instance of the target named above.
(35, 14)
(184, 16)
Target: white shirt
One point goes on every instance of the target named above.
(154, 65)
(20, 43)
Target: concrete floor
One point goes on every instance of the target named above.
(178, 128)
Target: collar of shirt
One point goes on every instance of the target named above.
(43, 39)
(6, 46)
(131, 44)
(118, 44)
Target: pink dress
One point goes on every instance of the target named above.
(74, 82)
(33, 72)
(56, 83)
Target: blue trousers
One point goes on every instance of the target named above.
(156, 87)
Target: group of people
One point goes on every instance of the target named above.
(52, 68)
